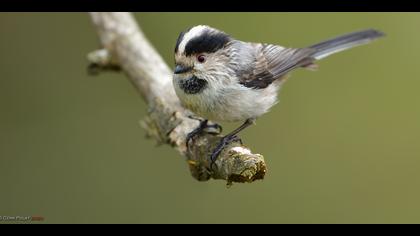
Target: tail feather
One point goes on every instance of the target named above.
(344, 42)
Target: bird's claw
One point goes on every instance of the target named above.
(191, 135)
(203, 126)
(222, 144)
(215, 126)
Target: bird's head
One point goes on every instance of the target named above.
(201, 55)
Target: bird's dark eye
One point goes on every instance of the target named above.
(201, 58)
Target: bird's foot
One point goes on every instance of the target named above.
(202, 127)
(222, 144)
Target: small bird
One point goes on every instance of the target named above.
(224, 79)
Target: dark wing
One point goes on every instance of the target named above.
(272, 62)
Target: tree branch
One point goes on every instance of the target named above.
(125, 47)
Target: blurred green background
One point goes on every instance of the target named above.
(342, 146)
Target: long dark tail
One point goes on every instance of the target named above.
(344, 42)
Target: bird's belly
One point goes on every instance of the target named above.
(230, 105)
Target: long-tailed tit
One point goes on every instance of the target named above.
(224, 79)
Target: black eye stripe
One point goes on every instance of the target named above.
(207, 42)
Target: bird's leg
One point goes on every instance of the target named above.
(203, 125)
(196, 131)
(214, 126)
(231, 137)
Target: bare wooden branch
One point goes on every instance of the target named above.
(125, 46)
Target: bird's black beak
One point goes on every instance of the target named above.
(179, 69)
